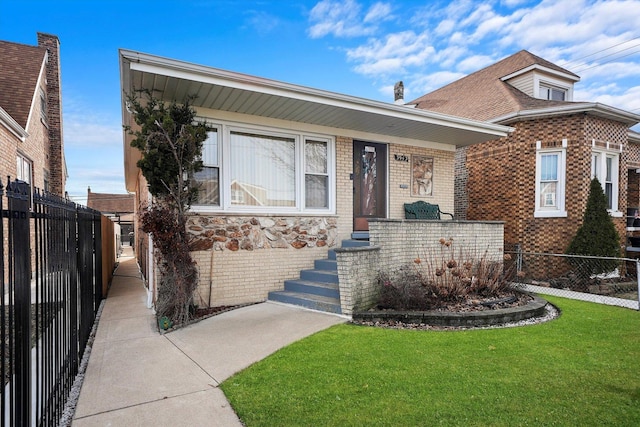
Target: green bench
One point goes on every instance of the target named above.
(423, 210)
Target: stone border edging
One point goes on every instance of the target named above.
(534, 308)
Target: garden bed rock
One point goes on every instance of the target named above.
(535, 307)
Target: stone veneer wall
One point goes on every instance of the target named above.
(242, 258)
(396, 243)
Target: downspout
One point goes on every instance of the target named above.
(150, 273)
(150, 264)
(210, 277)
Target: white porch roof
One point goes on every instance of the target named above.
(240, 93)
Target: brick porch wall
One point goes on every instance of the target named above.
(397, 243)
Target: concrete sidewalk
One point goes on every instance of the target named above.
(138, 377)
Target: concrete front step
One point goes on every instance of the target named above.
(314, 302)
(326, 264)
(318, 288)
(322, 276)
(330, 290)
(351, 243)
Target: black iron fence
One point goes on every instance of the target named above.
(51, 279)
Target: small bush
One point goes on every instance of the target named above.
(442, 279)
(597, 236)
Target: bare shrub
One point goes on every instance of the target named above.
(443, 278)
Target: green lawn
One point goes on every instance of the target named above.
(579, 370)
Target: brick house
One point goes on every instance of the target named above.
(537, 178)
(119, 208)
(31, 114)
(290, 171)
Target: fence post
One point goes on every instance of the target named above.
(638, 279)
(18, 194)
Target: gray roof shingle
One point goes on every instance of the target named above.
(484, 96)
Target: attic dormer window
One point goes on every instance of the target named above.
(553, 93)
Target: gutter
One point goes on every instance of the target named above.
(12, 125)
(594, 108)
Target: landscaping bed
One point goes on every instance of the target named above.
(468, 313)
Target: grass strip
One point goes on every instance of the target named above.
(580, 369)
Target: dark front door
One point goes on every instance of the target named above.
(369, 183)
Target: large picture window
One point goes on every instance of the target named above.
(266, 171)
(262, 170)
(550, 183)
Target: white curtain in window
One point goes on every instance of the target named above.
(316, 177)
(549, 180)
(263, 169)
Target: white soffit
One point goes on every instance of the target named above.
(226, 91)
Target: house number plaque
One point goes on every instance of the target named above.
(401, 158)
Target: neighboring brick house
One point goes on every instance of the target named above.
(31, 114)
(537, 178)
(290, 171)
(119, 208)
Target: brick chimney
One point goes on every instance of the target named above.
(57, 168)
(398, 93)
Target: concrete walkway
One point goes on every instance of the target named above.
(139, 377)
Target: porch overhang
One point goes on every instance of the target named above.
(254, 96)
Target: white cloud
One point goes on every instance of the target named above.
(378, 12)
(424, 83)
(393, 54)
(101, 179)
(431, 45)
(445, 26)
(339, 18)
(87, 131)
(262, 22)
(474, 63)
(627, 99)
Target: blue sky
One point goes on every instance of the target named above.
(355, 47)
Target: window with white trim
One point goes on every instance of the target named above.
(552, 93)
(550, 182)
(24, 169)
(266, 170)
(209, 177)
(316, 174)
(604, 166)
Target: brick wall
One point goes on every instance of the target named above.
(236, 277)
(57, 172)
(396, 243)
(501, 178)
(461, 176)
(344, 186)
(9, 143)
(35, 146)
(400, 178)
